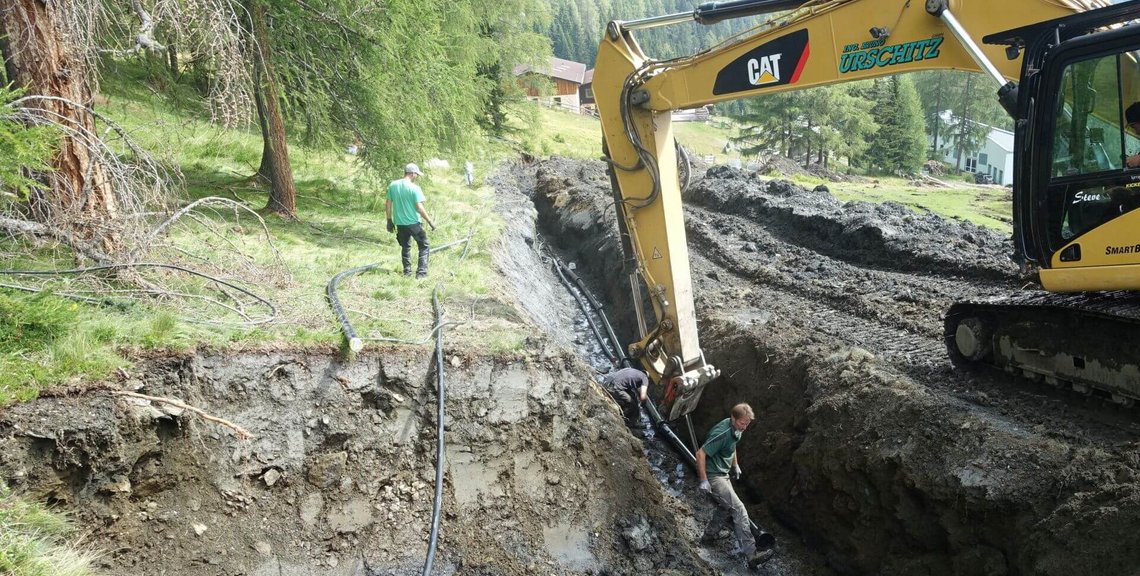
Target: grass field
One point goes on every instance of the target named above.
(565, 133)
(47, 340)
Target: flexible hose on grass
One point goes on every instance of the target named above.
(355, 341)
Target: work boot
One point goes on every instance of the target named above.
(759, 558)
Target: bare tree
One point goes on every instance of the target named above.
(50, 52)
(44, 54)
(275, 156)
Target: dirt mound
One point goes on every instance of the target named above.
(541, 477)
(888, 236)
(776, 164)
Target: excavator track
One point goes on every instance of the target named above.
(1087, 342)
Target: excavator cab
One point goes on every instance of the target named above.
(1075, 190)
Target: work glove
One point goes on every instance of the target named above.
(735, 473)
(704, 487)
(432, 224)
(391, 225)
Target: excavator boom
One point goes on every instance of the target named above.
(816, 43)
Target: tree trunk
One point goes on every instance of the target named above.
(964, 121)
(172, 56)
(282, 191)
(807, 142)
(5, 52)
(77, 194)
(265, 170)
(937, 117)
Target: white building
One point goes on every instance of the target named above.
(995, 158)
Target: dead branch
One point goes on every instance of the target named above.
(36, 229)
(242, 433)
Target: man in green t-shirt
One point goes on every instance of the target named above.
(716, 462)
(404, 207)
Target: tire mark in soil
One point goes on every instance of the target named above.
(896, 316)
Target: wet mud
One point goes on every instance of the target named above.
(870, 449)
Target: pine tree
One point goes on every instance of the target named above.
(971, 100)
(898, 146)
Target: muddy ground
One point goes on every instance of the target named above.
(871, 454)
(870, 447)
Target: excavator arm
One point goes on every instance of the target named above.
(817, 43)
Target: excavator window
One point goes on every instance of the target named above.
(1093, 143)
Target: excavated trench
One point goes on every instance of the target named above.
(870, 454)
(870, 450)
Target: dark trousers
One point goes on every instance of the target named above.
(630, 405)
(404, 235)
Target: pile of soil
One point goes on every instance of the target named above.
(338, 478)
(885, 236)
(870, 446)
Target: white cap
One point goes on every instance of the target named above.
(413, 169)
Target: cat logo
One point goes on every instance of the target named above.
(766, 70)
(775, 63)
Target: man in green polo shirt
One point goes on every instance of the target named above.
(716, 462)
(404, 207)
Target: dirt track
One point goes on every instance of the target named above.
(871, 454)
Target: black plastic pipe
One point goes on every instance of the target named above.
(585, 311)
(438, 504)
(355, 342)
(598, 307)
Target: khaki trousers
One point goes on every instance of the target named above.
(730, 508)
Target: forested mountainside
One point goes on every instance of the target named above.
(577, 27)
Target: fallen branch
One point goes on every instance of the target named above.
(32, 229)
(242, 433)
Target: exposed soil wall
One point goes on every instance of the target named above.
(827, 318)
(542, 476)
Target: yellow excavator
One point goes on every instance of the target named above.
(1068, 71)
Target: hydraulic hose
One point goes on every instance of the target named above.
(438, 504)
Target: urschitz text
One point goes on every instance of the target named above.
(854, 58)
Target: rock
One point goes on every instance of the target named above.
(199, 529)
(271, 477)
(311, 508)
(263, 548)
(118, 485)
(639, 536)
(326, 470)
(455, 361)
